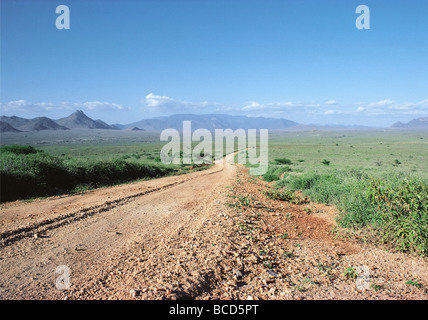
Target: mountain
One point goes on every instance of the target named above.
(135, 129)
(14, 121)
(210, 122)
(79, 120)
(419, 123)
(36, 124)
(6, 127)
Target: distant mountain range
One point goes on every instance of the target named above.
(420, 123)
(79, 120)
(210, 122)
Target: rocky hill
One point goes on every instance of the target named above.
(35, 124)
(79, 120)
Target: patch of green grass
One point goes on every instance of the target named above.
(376, 287)
(300, 288)
(414, 283)
(283, 194)
(321, 267)
(287, 254)
(350, 273)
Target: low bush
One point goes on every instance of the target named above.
(274, 172)
(18, 149)
(283, 161)
(27, 172)
(396, 207)
(283, 194)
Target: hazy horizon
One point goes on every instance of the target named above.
(306, 62)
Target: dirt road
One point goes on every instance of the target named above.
(84, 232)
(203, 235)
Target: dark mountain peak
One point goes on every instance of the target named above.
(79, 120)
(78, 114)
(136, 129)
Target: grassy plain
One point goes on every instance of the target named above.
(373, 151)
(377, 179)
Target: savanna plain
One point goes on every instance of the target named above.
(338, 215)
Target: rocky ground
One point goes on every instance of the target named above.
(250, 247)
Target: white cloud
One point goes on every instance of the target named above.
(390, 107)
(423, 103)
(166, 104)
(253, 105)
(382, 103)
(330, 102)
(154, 101)
(97, 105)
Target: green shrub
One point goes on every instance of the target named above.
(31, 174)
(27, 172)
(283, 161)
(394, 206)
(18, 149)
(274, 172)
(325, 162)
(283, 194)
(402, 209)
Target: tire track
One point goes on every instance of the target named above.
(11, 236)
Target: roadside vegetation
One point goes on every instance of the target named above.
(379, 183)
(394, 207)
(27, 172)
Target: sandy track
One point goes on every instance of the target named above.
(85, 231)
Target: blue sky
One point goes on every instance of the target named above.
(306, 61)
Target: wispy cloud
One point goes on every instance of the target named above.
(382, 103)
(331, 112)
(278, 106)
(390, 107)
